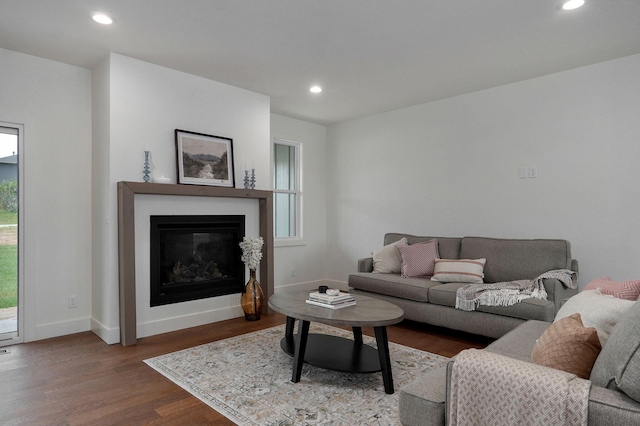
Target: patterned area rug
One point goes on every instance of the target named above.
(247, 378)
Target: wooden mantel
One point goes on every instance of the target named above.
(126, 240)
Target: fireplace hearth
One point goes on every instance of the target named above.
(195, 257)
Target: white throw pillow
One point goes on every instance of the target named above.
(459, 270)
(596, 310)
(386, 260)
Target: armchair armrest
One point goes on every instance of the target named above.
(365, 264)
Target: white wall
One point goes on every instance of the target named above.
(53, 101)
(146, 103)
(450, 168)
(307, 260)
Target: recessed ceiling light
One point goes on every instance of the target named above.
(315, 89)
(572, 4)
(101, 18)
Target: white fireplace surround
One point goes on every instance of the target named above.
(162, 319)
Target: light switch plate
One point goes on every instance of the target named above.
(522, 172)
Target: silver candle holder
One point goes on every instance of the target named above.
(246, 179)
(249, 181)
(146, 169)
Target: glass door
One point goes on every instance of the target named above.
(8, 235)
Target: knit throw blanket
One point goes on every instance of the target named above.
(509, 293)
(491, 389)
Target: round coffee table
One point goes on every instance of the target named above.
(334, 352)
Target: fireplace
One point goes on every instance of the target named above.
(195, 257)
(129, 192)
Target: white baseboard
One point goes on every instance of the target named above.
(166, 325)
(62, 328)
(312, 285)
(109, 335)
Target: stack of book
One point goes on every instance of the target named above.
(341, 300)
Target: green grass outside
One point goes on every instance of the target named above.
(8, 218)
(8, 276)
(8, 264)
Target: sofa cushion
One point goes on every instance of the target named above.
(528, 309)
(569, 346)
(459, 270)
(386, 259)
(629, 290)
(618, 366)
(418, 260)
(509, 260)
(393, 285)
(596, 310)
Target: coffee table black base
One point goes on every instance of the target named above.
(337, 353)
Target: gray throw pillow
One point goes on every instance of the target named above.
(618, 365)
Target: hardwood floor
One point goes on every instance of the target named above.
(80, 380)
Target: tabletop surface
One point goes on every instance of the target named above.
(367, 312)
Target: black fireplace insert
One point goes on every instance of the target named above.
(195, 257)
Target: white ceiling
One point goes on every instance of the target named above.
(369, 56)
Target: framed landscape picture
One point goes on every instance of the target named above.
(204, 159)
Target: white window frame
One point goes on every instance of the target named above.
(297, 239)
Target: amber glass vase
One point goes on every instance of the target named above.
(252, 298)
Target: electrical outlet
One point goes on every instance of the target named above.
(73, 301)
(533, 172)
(293, 272)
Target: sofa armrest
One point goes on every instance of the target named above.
(480, 372)
(610, 407)
(557, 292)
(606, 406)
(365, 264)
(575, 266)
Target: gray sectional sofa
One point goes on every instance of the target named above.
(433, 302)
(614, 397)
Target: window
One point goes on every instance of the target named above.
(287, 191)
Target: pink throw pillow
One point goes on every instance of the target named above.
(418, 260)
(629, 290)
